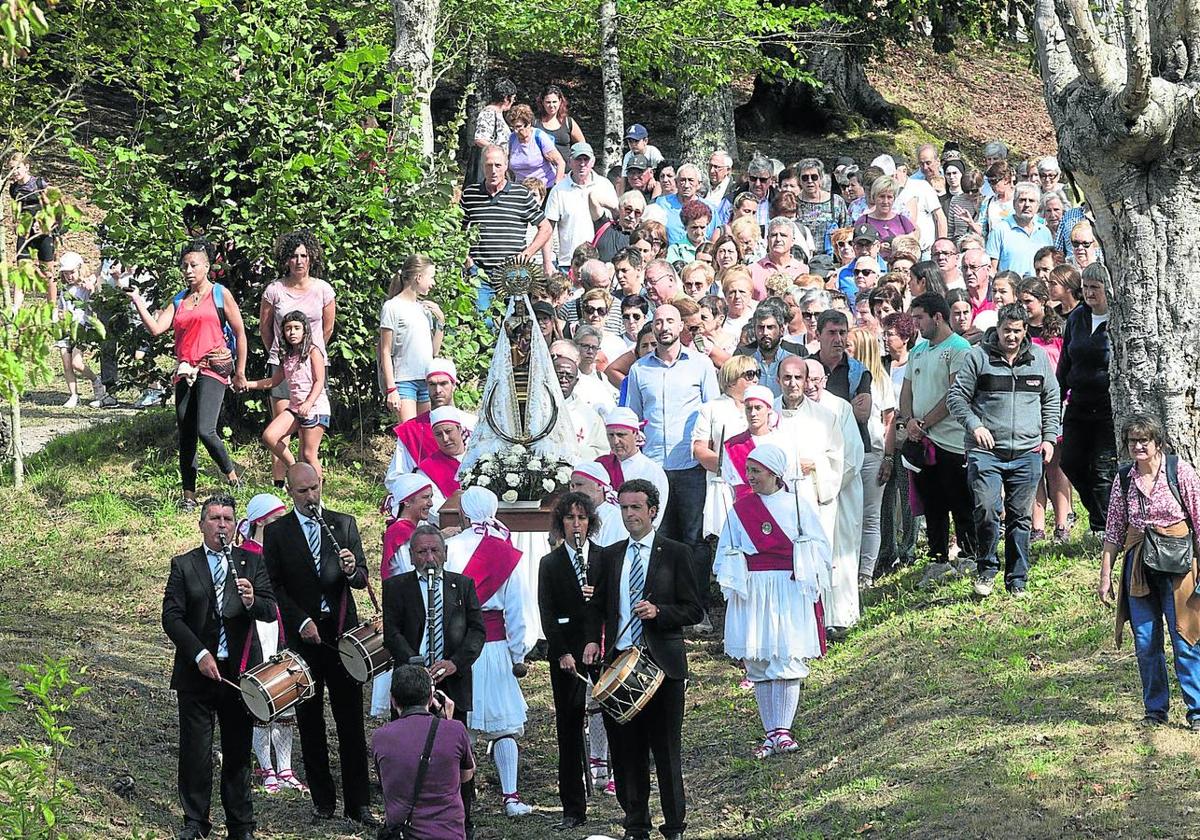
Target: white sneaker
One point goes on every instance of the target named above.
(983, 588)
(514, 807)
(72, 401)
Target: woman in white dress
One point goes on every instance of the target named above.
(773, 560)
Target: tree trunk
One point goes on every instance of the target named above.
(704, 124)
(18, 452)
(478, 56)
(1131, 139)
(412, 56)
(844, 99)
(614, 95)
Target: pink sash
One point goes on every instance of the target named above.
(394, 538)
(738, 449)
(493, 625)
(773, 544)
(442, 469)
(612, 465)
(416, 435)
(490, 566)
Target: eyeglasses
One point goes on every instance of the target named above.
(994, 181)
(860, 271)
(810, 177)
(809, 316)
(1140, 441)
(632, 316)
(589, 348)
(750, 374)
(596, 310)
(632, 211)
(945, 253)
(760, 179)
(1077, 244)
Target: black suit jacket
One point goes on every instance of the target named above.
(190, 620)
(670, 586)
(561, 604)
(463, 635)
(294, 574)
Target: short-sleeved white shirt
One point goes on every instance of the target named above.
(412, 338)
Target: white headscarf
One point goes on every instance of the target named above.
(479, 506)
(594, 471)
(260, 507)
(402, 488)
(771, 457)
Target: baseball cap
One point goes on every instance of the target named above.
(582, 150)
(637, 131)
(70, 261)
(543, 308)
(640, 162)
(821, 265)
(865, 232)
(886, 164)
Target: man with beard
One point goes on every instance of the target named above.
(1014, 241)
(769, 353)
(925, 418)
(414, 438)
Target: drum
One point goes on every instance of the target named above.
(362, 651)
(275, 686)
(626, 686)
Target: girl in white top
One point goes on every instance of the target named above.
(410, 335)
(864, 346)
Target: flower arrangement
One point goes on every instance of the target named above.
(518, 474)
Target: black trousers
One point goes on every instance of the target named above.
(1089, 459)
(945, 492)
(197, 408)
(199, 711)
(467, 789)
(346, 701)
(570, 708)
(657, 730)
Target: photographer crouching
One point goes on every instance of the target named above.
(422, 758)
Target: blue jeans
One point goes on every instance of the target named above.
(1146, 623)
(683, 521)
(484, 297)
(989, 474)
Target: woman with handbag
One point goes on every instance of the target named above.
(208, 330)
(1151, 514)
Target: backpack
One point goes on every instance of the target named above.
(1172, 466)
(218, 294)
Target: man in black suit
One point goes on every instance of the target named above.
(645, 594)
(563, 590)
(313, 583)
(449, 647)
(209, 607)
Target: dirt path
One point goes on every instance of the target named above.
(43, 417)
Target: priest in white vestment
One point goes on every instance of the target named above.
(811, 435)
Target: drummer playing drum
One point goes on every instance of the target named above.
(213, 596)
(645, 594)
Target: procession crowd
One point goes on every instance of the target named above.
(778, 378)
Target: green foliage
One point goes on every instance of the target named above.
(32, 792)
(260, 129)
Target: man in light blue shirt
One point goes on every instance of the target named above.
(1013, 242)
(666, 389)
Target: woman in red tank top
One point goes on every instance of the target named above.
(204, 365)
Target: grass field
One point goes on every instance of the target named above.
(940, 716)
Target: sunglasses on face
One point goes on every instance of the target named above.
(632, 316)
(1078, 244)
(862, 271)
(750, 374)
(596, 310)
(760, 179)
(589, 348)
(810, 177)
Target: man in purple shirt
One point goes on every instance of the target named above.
(397, 747)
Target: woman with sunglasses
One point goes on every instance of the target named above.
(720, 420)
(819, 210)
(1157, 494)
(964, 207)
(1085, 250)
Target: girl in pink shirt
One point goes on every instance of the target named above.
(303, 368)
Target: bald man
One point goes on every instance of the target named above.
(312, 580)
(666, 389)
(811, 435)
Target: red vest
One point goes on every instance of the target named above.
(490, 566)
(772, 544)
(394, 538)
(416, 435)
(737, 450)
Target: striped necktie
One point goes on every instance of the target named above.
(218, 572)
(434, 653)
(637, 582)
(314, 545)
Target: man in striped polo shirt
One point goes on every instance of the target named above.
(503, 212)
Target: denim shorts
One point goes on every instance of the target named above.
(413, 389)
(313, 421)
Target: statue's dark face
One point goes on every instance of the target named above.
(521, 335)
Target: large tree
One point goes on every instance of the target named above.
(1128, 125)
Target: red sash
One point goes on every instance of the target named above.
(737, 450)
(416, 435)
(490, 566)
(612, 465)
(493, 625)
(773, 544)
(442, 469)
(394, 538)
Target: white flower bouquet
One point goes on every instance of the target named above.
(518, 475)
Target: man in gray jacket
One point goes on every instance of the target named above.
(1006, 397)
